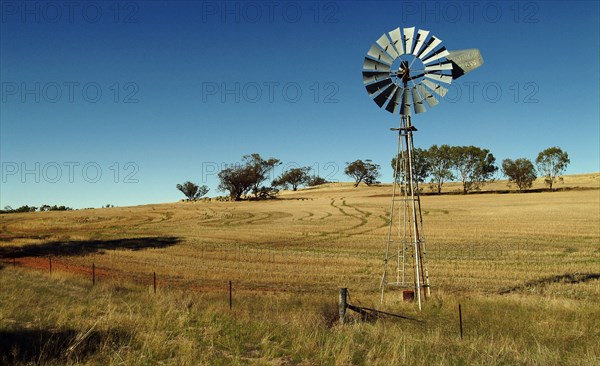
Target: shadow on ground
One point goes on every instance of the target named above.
(83, 247)
(572, 278)
(40, 346)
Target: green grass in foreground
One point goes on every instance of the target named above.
(60, 319)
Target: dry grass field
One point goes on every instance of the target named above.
(524, 266)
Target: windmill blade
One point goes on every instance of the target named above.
(394, 105)
(378, 54)
(421, 37)
(409, 34)
(417, 101)
(378, 73)
(370, 64)
(442, 52)
(447, 79)
(373, 76)
(416, 76)
(446, 65)
(464, 61)
(385, 95)
(431, 45)
(396, 38)
(436, 88)
(427, 96)
(384, 42)
(405, 106)
(375, 87)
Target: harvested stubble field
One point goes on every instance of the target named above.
(524, 267)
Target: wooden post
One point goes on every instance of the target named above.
(14, 262)
(93, 274)
(460, 321)
(50, 261)
(155, 283)
(342, 304)
(230, 297)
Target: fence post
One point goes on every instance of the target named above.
(460, 321)
(155, 283)
(93, 274)
(342, 304)
(50, 261)
(230, 297)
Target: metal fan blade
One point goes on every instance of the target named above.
(464, 61)
(385, 94)
(431, 45)
(394, 105)
(421, 37)
(428, 97)
(417, 101)
(436, 88)
(384, 42)
(409, 34)
(375, 87)
(396, 38)
(378, 54)
(405, 106)
(447, 79)
(370, 64)
(447, 65)
(416, 76)
(442, 52)
(373, 76)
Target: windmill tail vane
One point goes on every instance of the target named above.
(406, 70)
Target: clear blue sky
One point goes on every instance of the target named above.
(152, 93)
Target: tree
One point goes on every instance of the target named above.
(420, 166)
(191, 190)
(315, 180)
(25, 208)
(362, 171)
(55, 208)
(475, 166)
(240, 179)
(236, 181)
(440, 165)
(258, 170)
(293, 177)
(551, 163)
(267, 193)
(520, 172)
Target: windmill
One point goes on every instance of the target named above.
(407, 69)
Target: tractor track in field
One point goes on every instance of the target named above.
(237, 220)
(309, 215)
(362, 216)
(274, 215)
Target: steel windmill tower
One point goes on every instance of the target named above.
(407, 69)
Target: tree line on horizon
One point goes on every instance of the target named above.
(42, 208)
(249, 177)
(472, 165)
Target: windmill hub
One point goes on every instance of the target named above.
(406, 70)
